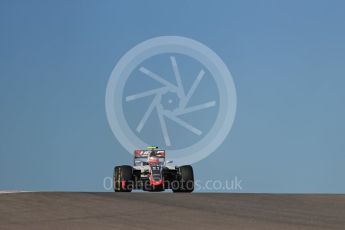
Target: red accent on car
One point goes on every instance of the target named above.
(138, 153)
(160, 153)
(123, 184)
(155, 182)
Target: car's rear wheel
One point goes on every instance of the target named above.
(123, 178)
(186, 179)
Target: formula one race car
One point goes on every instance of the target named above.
(152, 173)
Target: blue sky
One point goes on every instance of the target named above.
(287, 59)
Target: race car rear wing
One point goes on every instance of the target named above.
(145, 153)
(140, 156)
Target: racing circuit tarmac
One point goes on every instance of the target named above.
(170, 211)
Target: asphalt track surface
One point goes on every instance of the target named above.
(170, 211)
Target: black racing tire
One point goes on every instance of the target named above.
(186, 179)
(123, 174)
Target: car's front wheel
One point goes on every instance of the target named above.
(123, 178)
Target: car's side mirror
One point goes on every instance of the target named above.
(169, 162)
